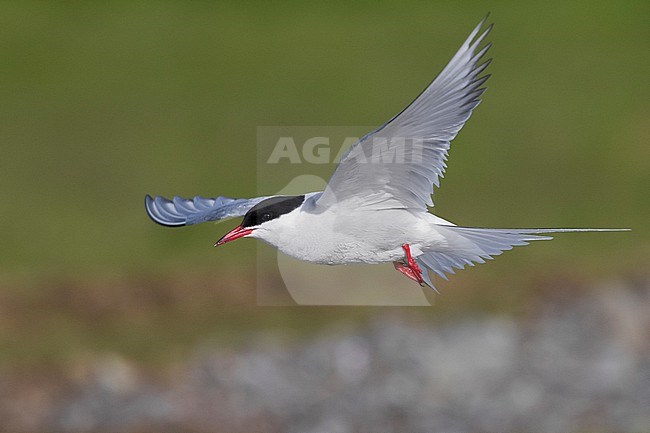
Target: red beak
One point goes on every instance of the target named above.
(233, 234)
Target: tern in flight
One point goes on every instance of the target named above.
(374, 208)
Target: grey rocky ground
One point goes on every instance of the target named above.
(576, 364)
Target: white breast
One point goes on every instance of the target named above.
(338, 236)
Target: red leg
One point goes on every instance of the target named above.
(410, 269)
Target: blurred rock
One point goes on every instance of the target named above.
(577, 365)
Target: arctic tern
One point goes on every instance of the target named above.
(374, 208)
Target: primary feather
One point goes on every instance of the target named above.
(180, 212)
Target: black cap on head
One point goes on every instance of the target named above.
(271, 208)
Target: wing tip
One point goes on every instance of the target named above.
(156, 215)
(480, 31)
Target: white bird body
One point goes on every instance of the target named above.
(353, 235)
(375, 207)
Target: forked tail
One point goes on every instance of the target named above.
(469, 245)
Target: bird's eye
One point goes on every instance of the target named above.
(266, 216)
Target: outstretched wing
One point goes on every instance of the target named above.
(179, 211)
(396, 165)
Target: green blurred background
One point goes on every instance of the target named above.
(103, 102)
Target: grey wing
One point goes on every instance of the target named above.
(179, 211)
(419, 136)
